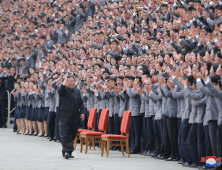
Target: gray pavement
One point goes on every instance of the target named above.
(20, 152)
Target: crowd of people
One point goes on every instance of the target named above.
(161, 59)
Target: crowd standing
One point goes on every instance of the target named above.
(159, 59)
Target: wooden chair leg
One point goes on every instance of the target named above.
(75, 142)
(81, 144)
(93, 142)
(127, 148)
(107, 148)
(122, 148)
(100, 143)
(87, 143)
(102, 147)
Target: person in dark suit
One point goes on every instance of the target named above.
(3, 102)
(71, 106)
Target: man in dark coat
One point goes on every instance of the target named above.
(71, 106)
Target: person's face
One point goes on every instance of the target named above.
(13, 70)
(16, 86)
(212, 71)
(113, 69)
(62, 26)
(105, 75)
(133, 68)
(119, 82)
(22, 84)
(81, 10)
(48, 37)
(113, 46)
(31, 70)
(144, 78)
(112, 83)
(164, 10)
(70, 83)
(130, 83)
(140, 72)
(31, 84)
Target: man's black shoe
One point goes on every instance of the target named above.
(143, 152)
(4, 126)
(50, 139)
(169, 159)
(132, 152)
(161, 158)
(186, 164)
(67, 155)
(176, 159)
(181, 161)
(193, 165)
(14, 130)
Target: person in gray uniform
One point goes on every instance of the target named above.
(41, 107)
(56, 84)
(43, 86)
(136, 119)
(52, 109)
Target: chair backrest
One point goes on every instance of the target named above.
(103, 120)
(125, 125)
(92, 118)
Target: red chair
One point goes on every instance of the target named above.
(125, 129)
(103, 125)
(91, 125)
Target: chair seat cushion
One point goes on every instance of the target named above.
(91, 133)
(82, 130)
(113, 136)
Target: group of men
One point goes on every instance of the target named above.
(159, 59)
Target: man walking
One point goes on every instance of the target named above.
(71, 106)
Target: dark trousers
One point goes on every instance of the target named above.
(184, 135)
(83, 123)
(212, 126)
(157, 136)
(173, 135)
(208, 147)
(150, 134)
(192, 143)
(15, 117)
(51, 124)
(97, 119)
(160, 126)
(166, 140)
(3, 112)
(201, 141)
(145, 145)
(219, 140)
(136, 128)
(117, 124)
(111, 126)
(179, 127)
(68, 132)
(57, 124)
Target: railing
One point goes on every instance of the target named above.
(9, 108)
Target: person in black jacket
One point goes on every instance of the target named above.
(3, 102)
(71, 106)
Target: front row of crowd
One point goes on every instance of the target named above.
(177, 111)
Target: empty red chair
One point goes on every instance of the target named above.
(125, 129)
(91, 124)
(103, 125)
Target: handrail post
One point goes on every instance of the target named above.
(9, 106)
(9, 103)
